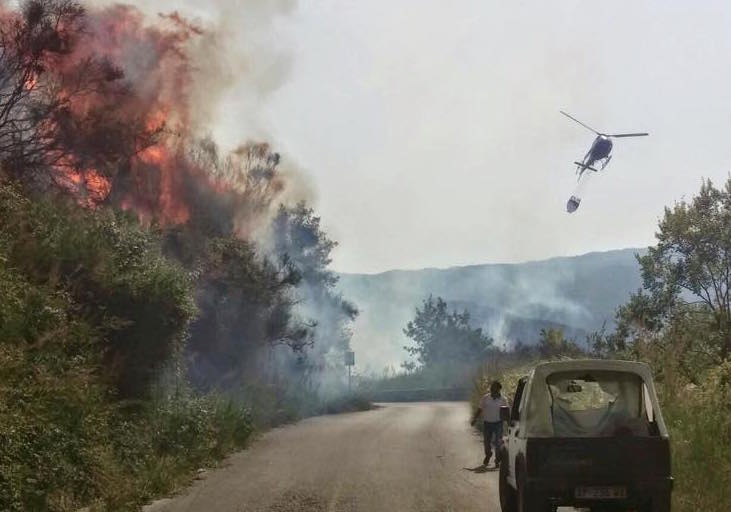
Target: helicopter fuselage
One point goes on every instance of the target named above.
(600, 149)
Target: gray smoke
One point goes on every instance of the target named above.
(510, 302)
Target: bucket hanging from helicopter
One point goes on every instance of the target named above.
(596, 160)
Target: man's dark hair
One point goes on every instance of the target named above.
(495, 387)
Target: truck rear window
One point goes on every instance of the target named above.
(597, 403)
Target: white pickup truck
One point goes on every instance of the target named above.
(587, 434)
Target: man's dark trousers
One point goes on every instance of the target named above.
(492, 436)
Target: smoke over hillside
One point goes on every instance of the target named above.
(511, 302)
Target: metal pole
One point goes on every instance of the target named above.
(349, 368)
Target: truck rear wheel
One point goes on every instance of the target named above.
(507, 493)
(528, 501)
(660, 503)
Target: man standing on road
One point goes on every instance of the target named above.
(492, 425)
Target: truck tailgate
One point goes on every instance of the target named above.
(599, 459)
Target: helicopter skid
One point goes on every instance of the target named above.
(583, 167)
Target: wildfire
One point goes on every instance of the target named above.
(124, 103)
(31, 83)
(170, 206)
(97, 185)
(157, 120)
(145, 109)
(155, 155)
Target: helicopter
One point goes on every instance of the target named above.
(600, 150)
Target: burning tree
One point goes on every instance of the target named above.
(31, 41)
(78, 104)
(63, 107)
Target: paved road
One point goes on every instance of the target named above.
(399, 457)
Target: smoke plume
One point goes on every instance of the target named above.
(120, 105)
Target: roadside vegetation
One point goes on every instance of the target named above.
(95, 403)
(160, 302)
(78, 326)
(680, 324)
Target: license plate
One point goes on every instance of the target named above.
(601, 493)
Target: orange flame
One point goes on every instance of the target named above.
(158, 179)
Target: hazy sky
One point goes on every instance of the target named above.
(430, 129)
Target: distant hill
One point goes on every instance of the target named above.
(510, 301)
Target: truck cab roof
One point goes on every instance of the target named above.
(612, 365)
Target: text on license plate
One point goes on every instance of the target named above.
(601, 493)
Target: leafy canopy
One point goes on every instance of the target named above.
(684, 308)
(441, 336)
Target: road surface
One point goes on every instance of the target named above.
(399, 457)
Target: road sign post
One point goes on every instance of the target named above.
(349, 362)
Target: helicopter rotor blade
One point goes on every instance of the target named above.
(582, 124)
(629, 135)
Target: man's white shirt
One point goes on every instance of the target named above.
(491, 407)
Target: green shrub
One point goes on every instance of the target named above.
(158, 445)
(87, 300)
(95, 409)
(52, 412)
(113, 270)
(699, 420)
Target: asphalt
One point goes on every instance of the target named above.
(399, 457)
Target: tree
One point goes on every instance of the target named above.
(690, 268)
(247, 182)
(552, 344)
(61, 106)
(245, 308)
(298, 240)
(247, 297)
(683, 312)
(297, 236)
(443, 337)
